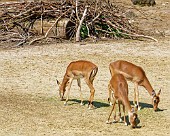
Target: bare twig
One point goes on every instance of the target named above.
(37, 39)
(36, 7)
(94, 18)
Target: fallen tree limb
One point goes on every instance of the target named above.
(138, 35)
(130, 33)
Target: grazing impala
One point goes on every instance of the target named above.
(76, 70)
(118, 85)
(137, 75)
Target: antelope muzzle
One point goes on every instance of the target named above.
(155, 103)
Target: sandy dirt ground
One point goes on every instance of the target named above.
(29, 100)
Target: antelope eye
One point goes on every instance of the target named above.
(154, 101)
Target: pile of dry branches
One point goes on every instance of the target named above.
(92, 18)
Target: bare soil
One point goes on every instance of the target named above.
(29, 101)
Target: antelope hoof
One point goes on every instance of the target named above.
(65, 103)
(126, 124)
(81, 104)
(108, 122)
(62, 99)
(120, 120)
(139, 108)
(114, 121)
(90, 107)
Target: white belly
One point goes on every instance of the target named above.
(78, 76)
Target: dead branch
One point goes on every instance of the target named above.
(102, 19)
(77, 11)
(80, 24)
(94, 18)
(131, 34)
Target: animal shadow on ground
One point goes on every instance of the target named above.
(146, 105)
(97, 104)
(143, 105)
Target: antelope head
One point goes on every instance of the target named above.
(155, 100)
(61, 91)
(133, 118)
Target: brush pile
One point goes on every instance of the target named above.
(89, 18)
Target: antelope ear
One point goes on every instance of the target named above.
(153, 93)
(159, 92)
(58, 82)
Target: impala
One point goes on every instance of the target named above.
(76, 70)
(119, 88)
(137, 75)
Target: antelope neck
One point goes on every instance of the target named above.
(148, 86)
